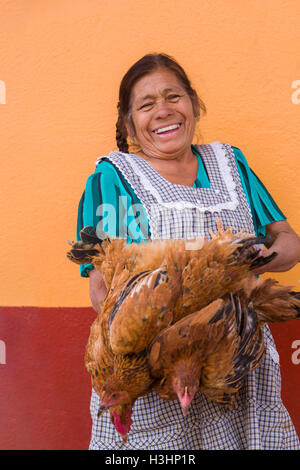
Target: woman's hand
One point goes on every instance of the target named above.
(97, 289)
(286, 243)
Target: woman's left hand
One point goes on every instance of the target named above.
(286, 243)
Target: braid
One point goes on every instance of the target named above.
(121, 135)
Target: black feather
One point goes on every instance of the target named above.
(262, 260)
(91, 235)
(81, 255)
(124, 293)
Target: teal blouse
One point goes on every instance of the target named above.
(106, 188)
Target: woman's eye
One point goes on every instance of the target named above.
(173, 97)
(146, 106)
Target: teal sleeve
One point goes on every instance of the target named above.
(87, 209)
(263, 207)
(110, 205)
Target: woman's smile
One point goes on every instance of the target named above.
(168, 129)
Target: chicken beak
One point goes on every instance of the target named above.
(185, 402)
(103, 400)
(101, 410)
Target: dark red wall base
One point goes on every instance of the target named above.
(45, 389)
(44, 386)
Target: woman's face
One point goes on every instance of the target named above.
(163, 116)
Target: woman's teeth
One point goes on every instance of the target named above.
(166, 129)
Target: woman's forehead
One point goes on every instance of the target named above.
(161, 81)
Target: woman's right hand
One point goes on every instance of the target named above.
(97, 289)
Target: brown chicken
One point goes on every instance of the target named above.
(213, 349)
(150, 287)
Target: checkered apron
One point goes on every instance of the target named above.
(259, 420)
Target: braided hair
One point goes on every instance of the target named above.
(121, 135)
(148, 64)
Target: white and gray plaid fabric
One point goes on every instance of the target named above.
(177, 211)
(259, 420)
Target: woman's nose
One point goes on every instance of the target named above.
(163, 109)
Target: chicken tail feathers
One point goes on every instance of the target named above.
(273, 302)
(250, 350)
(247, 243)
(262, 260)
(247, 252)
(82, 253)
(91, 235)
(296, 296)
(90, 246)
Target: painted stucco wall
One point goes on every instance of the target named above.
(61, 62)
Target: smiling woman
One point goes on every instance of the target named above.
(163, 120)
(148, 92)
(178, 190)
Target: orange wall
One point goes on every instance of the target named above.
(61, 62)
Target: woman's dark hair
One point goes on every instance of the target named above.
(148, 64)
